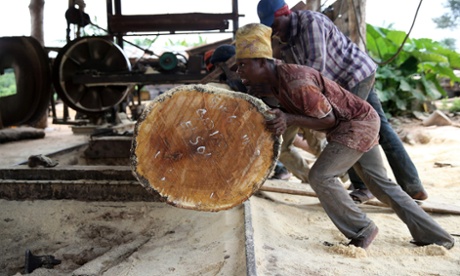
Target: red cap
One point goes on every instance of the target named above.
(207, 57)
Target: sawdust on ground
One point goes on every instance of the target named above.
(292, 234)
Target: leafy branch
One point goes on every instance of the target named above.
(413, 77)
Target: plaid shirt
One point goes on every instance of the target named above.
(315, 41)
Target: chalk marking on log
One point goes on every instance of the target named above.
(188, 124)
(201, 149)
(246, 139)
(211, 123)
(230, 118)
(201, 112)
(196, 140)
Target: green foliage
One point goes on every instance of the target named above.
(412, 77)
(7, 83)
(450, 19)
(455, 106)
(450, 105)
(449, 43)
(92, 29)
(187, 43)
(145, 41)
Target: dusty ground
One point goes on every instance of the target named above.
(141, 238)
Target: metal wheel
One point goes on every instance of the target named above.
(90, 55)
(26, 58)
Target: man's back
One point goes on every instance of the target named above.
(315, 41)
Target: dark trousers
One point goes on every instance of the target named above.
(403, 168)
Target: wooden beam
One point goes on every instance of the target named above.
(169, 22)
(214, 75)
(432, 207)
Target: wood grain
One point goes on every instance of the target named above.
(203, 148)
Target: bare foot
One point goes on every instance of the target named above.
(364, 242)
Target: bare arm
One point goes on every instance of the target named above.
(282, 120)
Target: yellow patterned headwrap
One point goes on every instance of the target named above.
(253, 41)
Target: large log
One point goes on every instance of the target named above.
(203, 148)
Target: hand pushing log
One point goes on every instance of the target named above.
(203, 148)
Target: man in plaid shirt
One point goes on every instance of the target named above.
(310, 38)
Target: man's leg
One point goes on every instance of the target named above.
(422, 227)
(401, 164)
(362, 90)
(316, 140)
(291, 157)
(403, 168)
(335, 160)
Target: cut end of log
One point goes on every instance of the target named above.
(203, 148)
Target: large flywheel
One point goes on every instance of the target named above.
(24, 63)
(90, 56)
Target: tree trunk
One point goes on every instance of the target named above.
(314, 5)
(357, 22)
(36, 8)
(349, 22)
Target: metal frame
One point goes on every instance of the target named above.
(161, 24)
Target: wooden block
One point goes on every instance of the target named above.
(203, 148)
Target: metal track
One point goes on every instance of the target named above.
(94, 183)
(251, 268)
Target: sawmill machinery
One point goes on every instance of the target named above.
(92, 74)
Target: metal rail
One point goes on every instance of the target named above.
(95, 183)
(251, 267)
